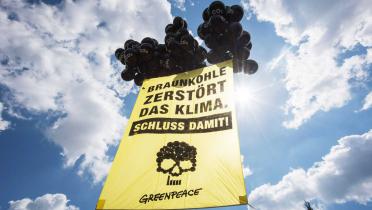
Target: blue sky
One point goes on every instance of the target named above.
(305, 117)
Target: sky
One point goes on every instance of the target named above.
(305, 118)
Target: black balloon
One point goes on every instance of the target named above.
(215, 56)
(119, 54)
(131, 56)
(179, 23)
(250, 66)
(150, 41)
(138, 79)
(131, 44)
(235, 30)
(237, 13)
(170, 29)
(128, 74)
(128, 43)
(244, 38)
(205, 14)
(203, 30)
(216, 8)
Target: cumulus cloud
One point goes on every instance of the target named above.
(318, 31)
(58, 60)
(367, 101)
(45, 202)
(344, 174)
(319, 86)
(3, 123)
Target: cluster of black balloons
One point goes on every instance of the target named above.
(221, 32)
(184, 51)
(140, 59)
(224, 35)
(148, 59)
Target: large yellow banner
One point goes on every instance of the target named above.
(181, 147)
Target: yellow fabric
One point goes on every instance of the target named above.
(208, 172)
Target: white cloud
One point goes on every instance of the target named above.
(367, 101)
(270, 10)
(180, 4)
(57, 60)
(3, 123)
(344, 174)
(246, 170)
(318, 31)
(45, 202)
(319, 86)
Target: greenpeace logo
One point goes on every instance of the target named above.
(146, 198)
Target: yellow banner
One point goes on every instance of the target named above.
(181, 147)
